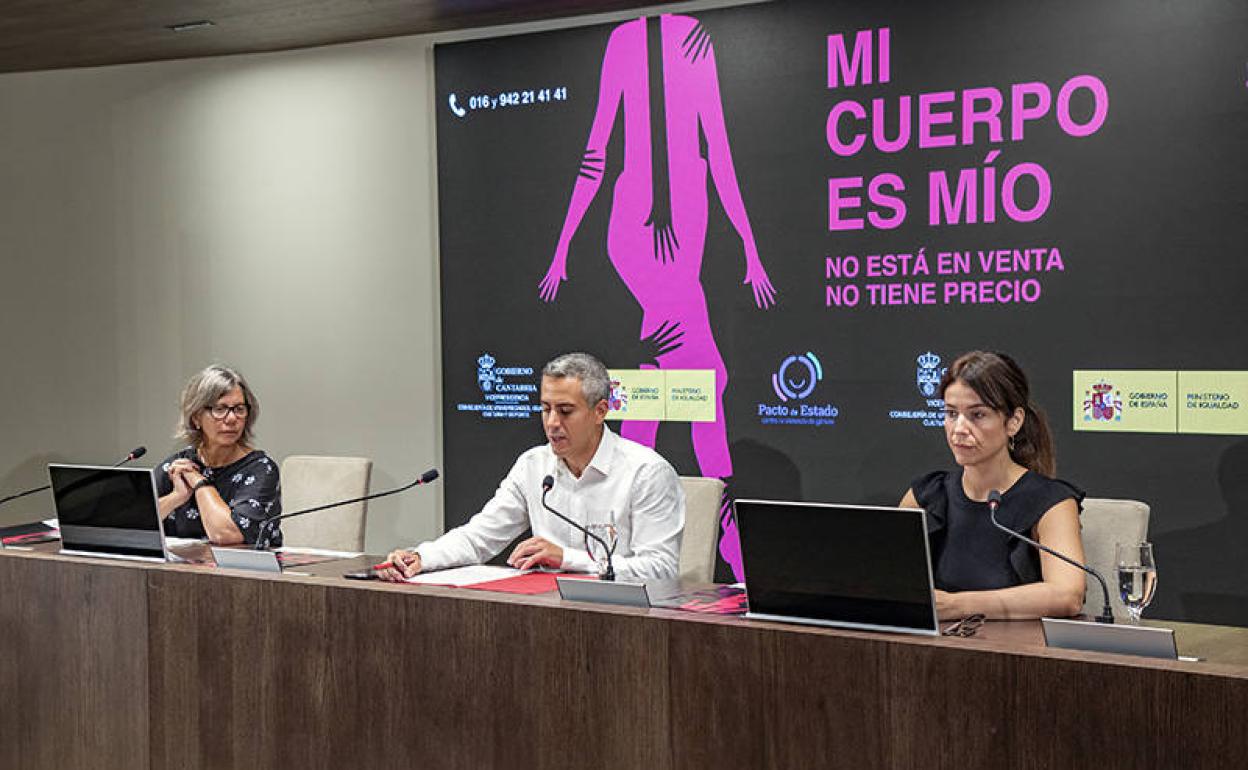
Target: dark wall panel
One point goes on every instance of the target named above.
(1133, 242)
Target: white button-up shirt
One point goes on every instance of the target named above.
(625, 484)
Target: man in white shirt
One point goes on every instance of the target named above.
(600, 478)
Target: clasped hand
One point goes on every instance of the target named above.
(184, 475)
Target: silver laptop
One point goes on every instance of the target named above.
(850, 566)
(108, 512)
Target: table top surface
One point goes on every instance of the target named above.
(1221, 650)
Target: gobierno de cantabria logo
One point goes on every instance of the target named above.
(502, 396)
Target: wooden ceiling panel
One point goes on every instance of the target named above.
(54, 34)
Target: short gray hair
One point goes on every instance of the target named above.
(595, 382)
(202, 391)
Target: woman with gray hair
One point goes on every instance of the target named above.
(220, 486)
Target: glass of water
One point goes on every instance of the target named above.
(1137, 577)
(608, 534)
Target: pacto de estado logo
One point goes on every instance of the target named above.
(796, 377)
(1102, 403)
(793, 382)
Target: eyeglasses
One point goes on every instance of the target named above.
(219, 411)
(965, 627)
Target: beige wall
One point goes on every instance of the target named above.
(276, 211)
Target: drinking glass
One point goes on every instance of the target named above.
(1137, 577)
(609, 536)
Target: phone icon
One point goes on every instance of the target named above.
(455, 108)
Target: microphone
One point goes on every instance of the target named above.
(548, 484)
(262, 541)
(994, 502)
(135, 454)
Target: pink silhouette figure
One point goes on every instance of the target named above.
(662, 71)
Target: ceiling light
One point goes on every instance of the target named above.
(187, 26)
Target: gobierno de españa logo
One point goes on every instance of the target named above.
(1102, 403)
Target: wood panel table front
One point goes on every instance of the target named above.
(122, 665)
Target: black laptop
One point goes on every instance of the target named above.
(852, 566)
(108, 512)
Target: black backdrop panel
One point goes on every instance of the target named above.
(1138, 229)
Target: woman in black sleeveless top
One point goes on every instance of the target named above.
(1001, 441)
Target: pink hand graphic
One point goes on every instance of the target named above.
(756, 278)
(558, 272)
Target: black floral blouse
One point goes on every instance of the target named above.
(250, 487)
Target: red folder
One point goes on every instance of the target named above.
(530, 583)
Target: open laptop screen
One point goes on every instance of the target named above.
(107, 511)
(841, 565)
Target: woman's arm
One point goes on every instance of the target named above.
(215, 514)
(724, 173)
(1058, 594)
(594, 161)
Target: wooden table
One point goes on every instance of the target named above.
(107, 664)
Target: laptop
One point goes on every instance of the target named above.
(848, 566)
(108, 512)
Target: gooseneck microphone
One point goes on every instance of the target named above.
(135, 454)
(994, 502)
(548, 484)
(262, 538)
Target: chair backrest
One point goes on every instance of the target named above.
(309, 481)
(703, 498)
(1105, 524)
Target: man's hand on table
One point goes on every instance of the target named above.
(404, 563)
(536, 552)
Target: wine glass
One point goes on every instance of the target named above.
(608, 535)
(1137, 577)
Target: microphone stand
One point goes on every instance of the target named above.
(20, 495)
(263, 538)
(136, 454)
(994, 502)
(609, 574)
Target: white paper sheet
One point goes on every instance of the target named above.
(318, 552)
(466, 576)
(183, 542)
